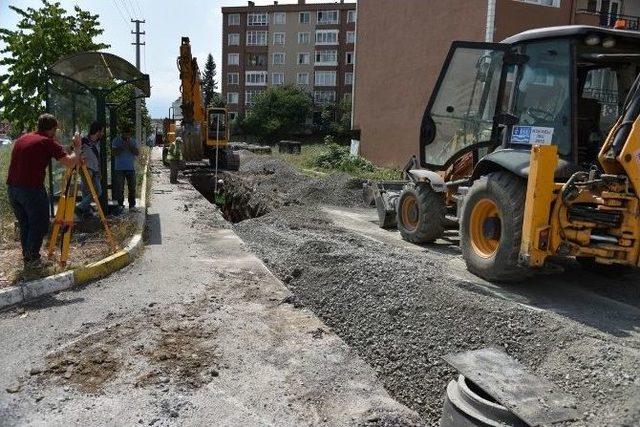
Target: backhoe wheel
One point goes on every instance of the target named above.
(420, 213)
(491, 227)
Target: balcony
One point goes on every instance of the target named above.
(607, 20)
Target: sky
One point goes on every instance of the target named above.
(166, 22)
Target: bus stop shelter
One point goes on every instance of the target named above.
(77, 93)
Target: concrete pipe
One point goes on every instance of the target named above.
(467, 405)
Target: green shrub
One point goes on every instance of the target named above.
(338, 157)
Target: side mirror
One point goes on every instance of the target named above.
(506, 119)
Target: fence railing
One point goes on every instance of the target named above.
(609, 20)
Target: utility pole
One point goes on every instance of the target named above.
(137, 44)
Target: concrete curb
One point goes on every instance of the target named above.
(31, 290)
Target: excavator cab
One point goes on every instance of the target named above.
(533, 115)
(217, 133)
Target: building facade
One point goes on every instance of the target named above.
(307, 45)
(402, 46)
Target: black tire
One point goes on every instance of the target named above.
(420, 214)
(507, 193)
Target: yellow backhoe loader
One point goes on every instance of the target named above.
(532, 146)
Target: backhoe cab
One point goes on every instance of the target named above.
(532, 145)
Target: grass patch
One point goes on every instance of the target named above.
(329, 158)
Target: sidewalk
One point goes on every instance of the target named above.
(195, 332)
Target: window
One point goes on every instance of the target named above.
(303, 38)
(233, 59)
(233, 78)
(234, 19)
(325, 78)
(351, 59)
(234, 39)
(548, 77)
(256, 38)
(348, 79)
(351, 16)
(256, 78)
(303, 78)
(232, 98)
(351, 37)
(328, 17)
(327, 37)
(249, 97)
(278, 58)
(232, 115)
(280, 18)
(304, 58)
(304, 17)
(602, 85)
(324, 96)
(551, 3)
(278, 38)
(461, 104)
(256, 59)
(327, 57)
(258, 19)
(277, 78)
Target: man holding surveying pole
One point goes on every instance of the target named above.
(25, 183)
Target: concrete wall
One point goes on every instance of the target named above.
(513, 17)
(401, 46)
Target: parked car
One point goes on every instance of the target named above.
(5, 141)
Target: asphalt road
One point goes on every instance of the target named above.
(195, 332)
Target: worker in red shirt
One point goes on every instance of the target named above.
(25, 183)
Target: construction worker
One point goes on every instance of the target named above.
(30, 157)
(91, 158)
(125, 149)
(175, 158)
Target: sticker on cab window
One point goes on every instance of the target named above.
(532, 135)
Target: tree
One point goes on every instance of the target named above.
(124, 98)
(210, 85)
(43, 36)
(335, 120)
(277, 113)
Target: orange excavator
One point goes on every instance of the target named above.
(204, 129)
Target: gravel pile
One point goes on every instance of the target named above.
(402, 311)
(270, 175)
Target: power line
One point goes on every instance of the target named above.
(144, 57)
(137, 3)
(133, 9)
(126, 8)
(121, 14)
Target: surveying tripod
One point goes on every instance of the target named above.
(63, 221)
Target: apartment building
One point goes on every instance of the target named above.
(308, 45)
(402, 45)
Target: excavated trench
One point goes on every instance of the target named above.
(236, 197)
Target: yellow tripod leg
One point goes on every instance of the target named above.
(107, 231)
(70, 207)
(59, 217)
